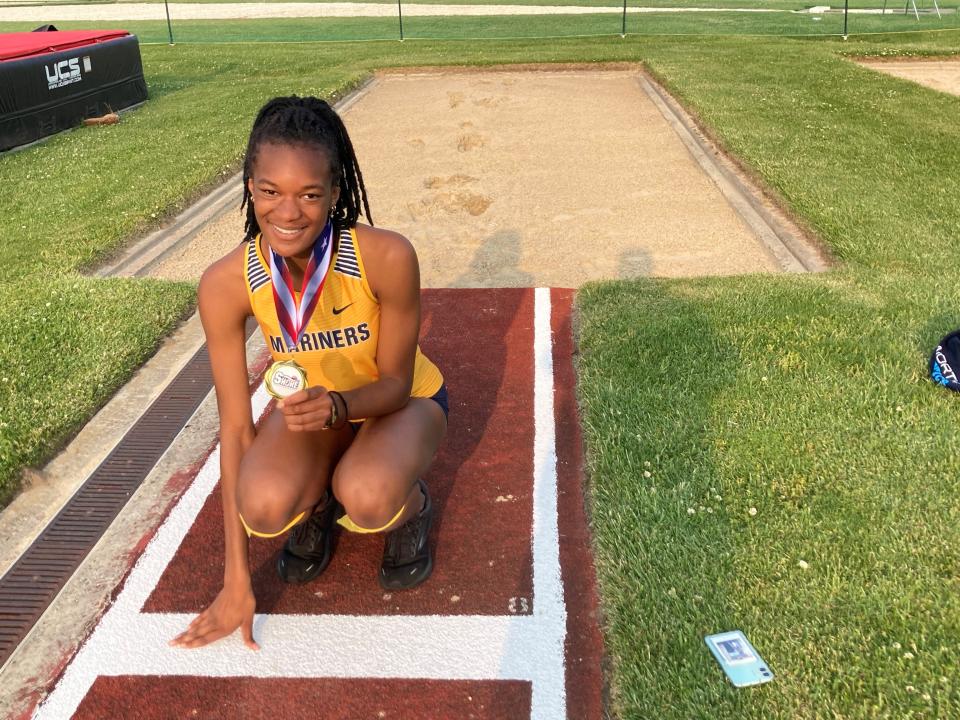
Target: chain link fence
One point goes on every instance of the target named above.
(278, 21)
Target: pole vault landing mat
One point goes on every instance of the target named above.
(505, 629)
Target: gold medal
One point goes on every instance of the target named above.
(284, 378)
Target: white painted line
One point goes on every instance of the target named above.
(549, 698)
(522, 647)
(308, 646)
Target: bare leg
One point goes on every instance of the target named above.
(285, 473)
(377, 482)
(377, 475)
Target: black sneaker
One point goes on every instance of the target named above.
(306, 553)
(407, 560)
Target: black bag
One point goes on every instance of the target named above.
(945, 362)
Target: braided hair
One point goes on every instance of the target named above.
(311, 121)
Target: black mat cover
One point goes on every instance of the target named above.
(46, 93)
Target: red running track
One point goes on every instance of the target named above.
(482, 484)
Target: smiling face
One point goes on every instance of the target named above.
(293, 190)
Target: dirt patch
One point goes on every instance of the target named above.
(942, 75)
(449, 203)
(440, 182)
(470, 141)
(518, 178)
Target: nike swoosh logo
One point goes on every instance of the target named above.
(337, 311)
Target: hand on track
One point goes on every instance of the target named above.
(230, 610)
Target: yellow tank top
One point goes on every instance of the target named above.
(339, 347)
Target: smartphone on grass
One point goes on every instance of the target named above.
(738, 658)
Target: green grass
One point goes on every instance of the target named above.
(68, 344)
(523, 26)
(804, 397)
(352, 29)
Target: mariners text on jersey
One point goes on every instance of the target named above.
(326, 340)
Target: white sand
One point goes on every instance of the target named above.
(942, 75)
(542, 178)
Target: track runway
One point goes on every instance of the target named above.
(506, 628)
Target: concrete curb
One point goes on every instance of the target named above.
(138, 259)
(785, 244)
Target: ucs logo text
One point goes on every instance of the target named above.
(64, 72)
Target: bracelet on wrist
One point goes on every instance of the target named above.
(334, 412)
(337, 418)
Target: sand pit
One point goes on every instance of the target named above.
(942, 75)
(518, 178)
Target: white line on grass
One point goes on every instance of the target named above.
(523, 647)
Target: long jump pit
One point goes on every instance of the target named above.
(516, 186)
(519, 177)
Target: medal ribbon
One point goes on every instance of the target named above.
(294, 316)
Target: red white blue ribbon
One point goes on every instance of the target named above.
(294, 316)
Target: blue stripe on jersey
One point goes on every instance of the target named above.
(256, 275)
(347, 263)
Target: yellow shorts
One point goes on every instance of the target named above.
(344, 522)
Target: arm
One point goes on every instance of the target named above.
(223, 311)
(223, 308)
(394, 276)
